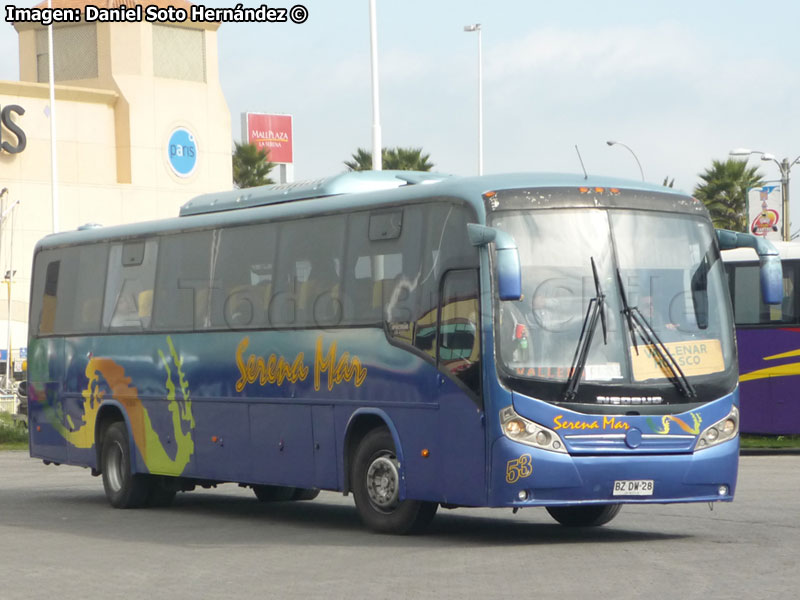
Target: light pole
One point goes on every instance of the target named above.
(613, 143)
(477, 27)
(377, 159)
(8, 279)
(785, 167)
(53, 155)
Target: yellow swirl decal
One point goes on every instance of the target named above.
(106, 380)
(667, 420)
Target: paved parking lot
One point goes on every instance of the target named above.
(61, 540)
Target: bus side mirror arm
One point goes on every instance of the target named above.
(770, 271)
(509, 270)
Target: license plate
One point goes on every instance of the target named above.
(633, 487)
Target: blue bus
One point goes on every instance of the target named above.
(416, 339)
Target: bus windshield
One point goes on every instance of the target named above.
(657, 274)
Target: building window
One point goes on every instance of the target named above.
(179, 53)
(74, 55)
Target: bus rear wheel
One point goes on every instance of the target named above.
(274, 493)
(305, 493)
(124, 489)
(375, 479)
(280, 493)
(592, 515)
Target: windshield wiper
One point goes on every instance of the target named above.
(636, 320)
(626, 310)
(595, 309)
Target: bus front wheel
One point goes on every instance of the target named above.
(375, 478)
(592, 515)
(124, 489)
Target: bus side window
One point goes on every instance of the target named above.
(182, 289)
(243, 276)
(748, 306)
(129, 285)
(89, 288)
(398, 266)
(306, 288)
(370, 266)
(47, 318)
(394, 267)
(67, 291)
(459, 328)
(444, 247)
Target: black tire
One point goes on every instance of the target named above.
(305, 493)
(274, 493)
(592, 515)
(375, 482)
(123, 488)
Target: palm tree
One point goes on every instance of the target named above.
(251, 166)
(400, 159)
(362, 160)
(724, 192)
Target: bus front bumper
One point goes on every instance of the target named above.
(526, 476)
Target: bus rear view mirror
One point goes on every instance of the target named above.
(509, 274)
(770, 271)
(771, 274)
(509, 271)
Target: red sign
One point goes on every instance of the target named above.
(272, 133)
(766, 222)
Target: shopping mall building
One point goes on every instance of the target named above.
(141, 127)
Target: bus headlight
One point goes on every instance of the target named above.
(719, 432)
(527, 432)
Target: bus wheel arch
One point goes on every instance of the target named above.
(376, 480)
(108, 414)
(358, 427)
(123, 487)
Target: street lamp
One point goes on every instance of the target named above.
(468, 28)
(613, 143)
(785, 167)
(377, 162)
(8, 279)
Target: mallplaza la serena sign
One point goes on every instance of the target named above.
(272, 133)
(12, 137)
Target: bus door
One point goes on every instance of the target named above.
(463, 467)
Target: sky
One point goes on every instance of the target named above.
(680, 82)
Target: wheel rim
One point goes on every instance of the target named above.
(382, 483)
(113, 466)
